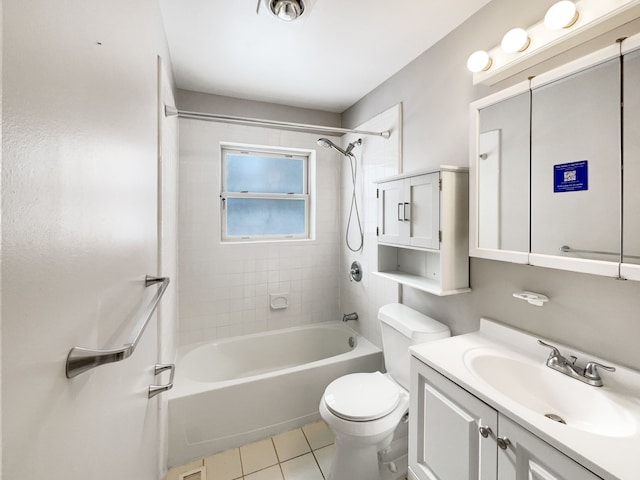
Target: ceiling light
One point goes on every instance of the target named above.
(287, 10)
(515, 40)
(561, 15)
(479, 61)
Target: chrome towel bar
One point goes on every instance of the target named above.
(81, 359)
(568, 249)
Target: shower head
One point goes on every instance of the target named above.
(325, 142)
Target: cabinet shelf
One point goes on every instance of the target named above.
(420, 283)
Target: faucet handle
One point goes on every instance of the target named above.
(591, 370)
(554, 350)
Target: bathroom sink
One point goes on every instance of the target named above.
(531, 384)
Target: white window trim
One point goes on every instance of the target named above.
(304, 155)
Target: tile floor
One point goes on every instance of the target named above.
(302, 454)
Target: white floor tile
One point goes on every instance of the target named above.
(258, 455)
(271, 473)
(224, 465)
(301, 468)
(290, 445)
(324, 456)
(319, 434)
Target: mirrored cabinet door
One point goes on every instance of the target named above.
(575, 167)
(503, 175)
(631, 179)
(499, 176)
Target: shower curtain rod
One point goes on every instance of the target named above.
(212, 117)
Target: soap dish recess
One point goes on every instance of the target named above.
(278, 300)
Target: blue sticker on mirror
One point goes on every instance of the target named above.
(570, 177)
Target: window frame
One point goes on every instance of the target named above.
(273, 152)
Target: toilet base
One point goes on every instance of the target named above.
(352, 462)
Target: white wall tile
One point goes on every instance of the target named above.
(224, 288)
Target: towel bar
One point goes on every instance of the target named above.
(81, 359)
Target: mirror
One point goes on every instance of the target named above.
(575, 165)
(503, 175)
(499, 176)
(631, 142)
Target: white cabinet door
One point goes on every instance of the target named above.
(526, 457)
(423, 204)
(444, 430)
(391, 212)
(409, 211)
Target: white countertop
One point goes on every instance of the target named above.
(611, 457)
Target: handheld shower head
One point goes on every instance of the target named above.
(353, 163)
(326, 143)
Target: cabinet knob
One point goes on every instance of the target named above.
(484, 431)
(503, 442)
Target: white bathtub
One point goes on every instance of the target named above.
(239, 390)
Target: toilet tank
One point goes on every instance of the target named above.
(402, 327)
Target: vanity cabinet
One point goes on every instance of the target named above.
(455, 436)
(423, 230)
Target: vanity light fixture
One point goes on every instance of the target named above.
(515, 40)
(566, 24)
(479, 61)
(561, 15)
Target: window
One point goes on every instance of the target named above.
(265, 195)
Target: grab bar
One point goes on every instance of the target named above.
(81, 359)
(157, 370)
(568, 249)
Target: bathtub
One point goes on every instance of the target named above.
(238, 390)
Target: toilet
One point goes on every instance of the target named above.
(364, 410)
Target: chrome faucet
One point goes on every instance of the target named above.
(349, 316)
(588, 375)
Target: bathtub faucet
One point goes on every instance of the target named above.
(349, 316)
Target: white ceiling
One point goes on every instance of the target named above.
(331, 57)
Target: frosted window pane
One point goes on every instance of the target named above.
(264, 174)
(259, 216)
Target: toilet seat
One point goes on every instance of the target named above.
(362, 397)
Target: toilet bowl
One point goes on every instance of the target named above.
(365, 409)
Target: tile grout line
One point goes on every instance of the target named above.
(313, 454)
(241, 464)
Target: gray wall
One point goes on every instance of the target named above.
(221, 105)
(598, 315)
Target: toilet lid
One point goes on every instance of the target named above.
(362, 396)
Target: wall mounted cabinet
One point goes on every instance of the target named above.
(547, 182)
(422, 230)
(454, 435)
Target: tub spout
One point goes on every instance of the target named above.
(349, 316)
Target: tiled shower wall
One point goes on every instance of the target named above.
(377, 158)
(224, 288)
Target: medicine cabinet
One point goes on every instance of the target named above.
(547, 182)
(422, 230)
